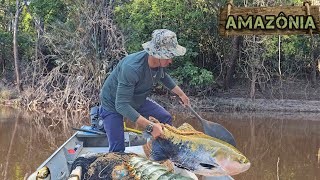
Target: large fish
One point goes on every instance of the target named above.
(198, 152)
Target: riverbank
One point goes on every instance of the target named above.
(211, 104)
(290, 96)
(298, 98)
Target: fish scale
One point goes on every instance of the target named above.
(157, 174)
(144, 169)
(152, 169)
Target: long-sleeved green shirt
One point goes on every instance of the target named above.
(130, 83)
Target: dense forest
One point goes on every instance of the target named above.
(56, 53)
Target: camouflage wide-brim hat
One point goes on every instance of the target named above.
(164, 45)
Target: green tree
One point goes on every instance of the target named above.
(193, 21)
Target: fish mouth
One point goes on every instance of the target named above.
(211, 170)
(209, 166)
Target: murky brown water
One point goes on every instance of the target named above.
(25, 144)
(279, 146)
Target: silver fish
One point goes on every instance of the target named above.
(144, 169)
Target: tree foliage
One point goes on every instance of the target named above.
(50, 11)
(193, 21)
(68, 32)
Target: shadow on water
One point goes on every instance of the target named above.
(279, 146)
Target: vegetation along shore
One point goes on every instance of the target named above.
(55, 56)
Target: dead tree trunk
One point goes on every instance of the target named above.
(254, 62)
(314, 63)
(2, 63)
(103, 30)
(231, 62)
(15, 46)
(253, 82)
(39, 45)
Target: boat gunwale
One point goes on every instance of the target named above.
(57, 151)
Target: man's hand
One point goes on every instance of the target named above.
(157, 130)
(185, 100)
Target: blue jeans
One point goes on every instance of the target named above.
(113, 122)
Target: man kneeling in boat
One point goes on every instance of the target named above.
(125, 92)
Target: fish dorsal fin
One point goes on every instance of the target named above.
(185, 129)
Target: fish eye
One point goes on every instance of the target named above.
(246, 160)
(243, 160)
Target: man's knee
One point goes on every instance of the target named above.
(116, 146)
(166, 118)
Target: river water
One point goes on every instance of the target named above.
(279, 146)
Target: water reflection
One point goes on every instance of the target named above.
(279, 146)
(24, 144)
